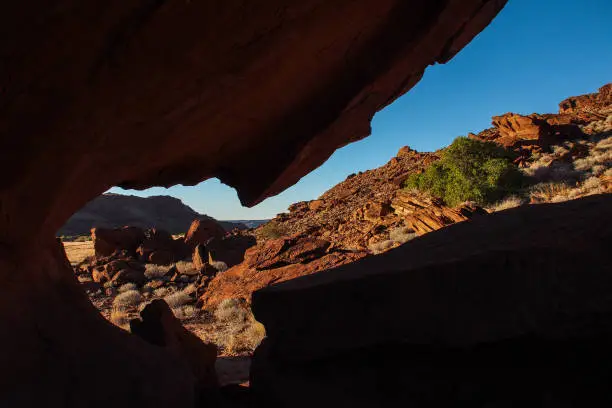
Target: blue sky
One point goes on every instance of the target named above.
(533, 55)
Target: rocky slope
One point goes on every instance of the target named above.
(565, 156)
(117, 210)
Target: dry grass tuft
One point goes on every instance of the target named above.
(156, 271)
(402, 235)
(230, 310)
(185, 312)
(186, 268)
(127, 286)
(507, 203)
(380, 247)
(127, 298)
(241, 331)
(546, 192)
(177, 299)
(119, 317)
(219, 266)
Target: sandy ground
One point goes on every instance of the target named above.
(77, 251)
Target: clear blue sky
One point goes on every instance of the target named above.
(534, 54)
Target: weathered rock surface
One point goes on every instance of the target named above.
(158, 326)
(160, 248)
(231, 248)
(463, 308)
(423, 214)
(589, 107)
(540, 131)
(138, 94)
(358, 210)
(271, 262)
(107, 241)
(201, 231)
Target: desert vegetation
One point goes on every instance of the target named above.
(469, 170)
(482, 172)
(272, 230)
(397, 236)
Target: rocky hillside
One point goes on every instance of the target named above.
(563, 156)
(116, 210)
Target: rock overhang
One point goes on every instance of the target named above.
(164, 93)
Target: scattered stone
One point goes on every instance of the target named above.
(202, 230)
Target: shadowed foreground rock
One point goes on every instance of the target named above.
(512, 308)
(159, 326)
(142, 93)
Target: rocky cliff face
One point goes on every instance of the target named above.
(116, 210)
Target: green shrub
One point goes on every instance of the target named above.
(469, 170)
(272, 230)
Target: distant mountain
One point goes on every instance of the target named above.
(116, 210)
(249, 223)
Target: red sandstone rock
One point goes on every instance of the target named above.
(423, 214)
(517, 129)
(230, 249)
(315, 205)
(282, 251)
(115, 266)
(128, 276)
(162, 257)
(200, 257)
(589, 107)
(242, 280)
(106, 241)
(201, 231)
(159, 327)
(100, 275)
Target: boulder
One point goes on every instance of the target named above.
(106, 240)
(129, 276)
(162, 257)
(159, 327)
(423, 214)
(160, 248)
(115, 266)
(230, 249)
(515, 129)
(202, 230)
(100, 275)
(200, 257)
(519, 295)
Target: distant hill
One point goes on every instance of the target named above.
(248, 223)
(116, 210)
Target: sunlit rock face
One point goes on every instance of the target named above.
(142, 93)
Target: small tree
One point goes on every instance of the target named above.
(469, 170)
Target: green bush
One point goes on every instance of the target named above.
(469, 170)
(272, 230)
